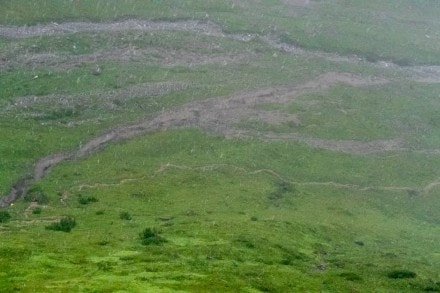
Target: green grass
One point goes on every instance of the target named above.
(88, 93)
(376, 30)
(187, 211)
(393, 111)
(221, 222)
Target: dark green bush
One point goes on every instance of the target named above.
(4, 216)
(65, 224)
(151, 236)
(125, 216)
(86, 199)
(36, 211)
(35, 193)
(401, 274)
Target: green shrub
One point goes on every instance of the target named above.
(151, 236)
(35, 193)
(4, 216)
(86, 199)
(37, 211)
(125, 216)
(65, 224)
(401, 274)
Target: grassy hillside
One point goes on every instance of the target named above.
(220, 146)
(404, 31)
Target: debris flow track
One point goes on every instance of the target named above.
(215, 115)
(429, 74)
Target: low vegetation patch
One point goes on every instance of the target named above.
(125, 216)
(401, 274)
(36, 194)
(37, 211)
(281, 189)
(4, 216)
(86, 199)
(65, 224)
(150, 236)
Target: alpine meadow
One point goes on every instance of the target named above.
(219, 146)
